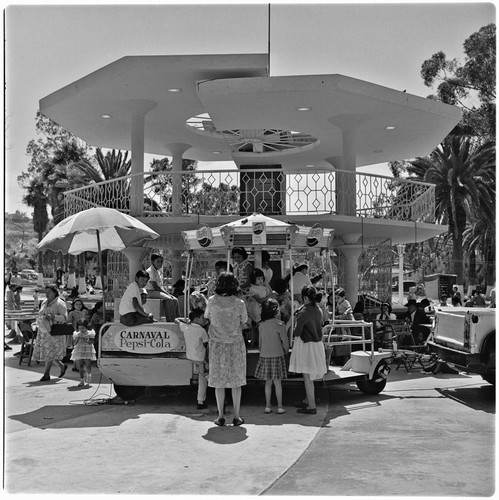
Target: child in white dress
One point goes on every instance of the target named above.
(84, 351)
(257, 293)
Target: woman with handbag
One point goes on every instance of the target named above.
(48, 348)
(308, 356)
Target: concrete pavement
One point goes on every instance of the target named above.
(423, 435)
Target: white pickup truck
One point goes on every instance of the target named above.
(466, 338)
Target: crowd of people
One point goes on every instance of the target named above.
(236, 309)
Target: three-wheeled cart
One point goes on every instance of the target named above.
(153, 355)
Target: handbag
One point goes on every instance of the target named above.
(61, 329)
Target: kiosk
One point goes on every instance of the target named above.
(154, 354)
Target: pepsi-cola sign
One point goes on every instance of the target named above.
(314, 236)
(204, 236)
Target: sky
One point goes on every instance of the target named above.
(50, 46)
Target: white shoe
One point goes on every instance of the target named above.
(281, 411)
(268, 410)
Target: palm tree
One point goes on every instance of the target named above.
(463, 171)
(36, 198)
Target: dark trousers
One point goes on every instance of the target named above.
(134, 319)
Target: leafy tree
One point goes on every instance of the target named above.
(215, 200)
(463, 171)
(470, 85)
(161, 185)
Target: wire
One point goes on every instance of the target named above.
(92, 401)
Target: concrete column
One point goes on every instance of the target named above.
(177, 265)
(138, 109)
(401, 250)
(351, 254)
(177, 149)
(345, 182)
(134, 255)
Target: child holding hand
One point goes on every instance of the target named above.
(196, 342)
(274, 347)
(84, 351)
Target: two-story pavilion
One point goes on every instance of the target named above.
(296, 141)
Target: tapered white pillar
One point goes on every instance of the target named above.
(177, 149)
(351, 254)
(138, 109)
(134, 255)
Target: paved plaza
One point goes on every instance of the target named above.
(424, 435)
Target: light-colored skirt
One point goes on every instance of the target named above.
(83, 350)
(227, 365)
(308, 357)
(48, 348)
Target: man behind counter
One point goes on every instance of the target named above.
(131, 311)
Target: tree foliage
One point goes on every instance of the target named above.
(470, 85)
(463, 171)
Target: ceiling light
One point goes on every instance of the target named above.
(390, 127)
(174, 90)
(217, 152)
(310, 165)
(303, 108)
(106, 116)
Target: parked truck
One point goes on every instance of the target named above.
(466, 337)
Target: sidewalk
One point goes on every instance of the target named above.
(423, 435)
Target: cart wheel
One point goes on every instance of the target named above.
(378, 382)
(128, 392)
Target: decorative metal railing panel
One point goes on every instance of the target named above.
(269, 191)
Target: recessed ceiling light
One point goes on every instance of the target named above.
(390, 127)
(106, 116)
(175, 90)
(310, 165)
(217, 152)
(303, 108)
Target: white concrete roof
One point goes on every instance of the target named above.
(238, 95)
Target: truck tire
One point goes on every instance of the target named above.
(128, 392)
(489, 359)
(377, 383)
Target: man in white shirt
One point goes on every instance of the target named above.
(169, 304)
(131, 311)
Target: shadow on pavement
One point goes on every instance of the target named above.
(481, 398)
(226, 434)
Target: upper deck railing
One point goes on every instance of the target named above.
(269, 191)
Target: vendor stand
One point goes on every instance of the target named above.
(154, 354)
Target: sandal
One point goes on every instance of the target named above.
(281, 411)
(220, 422)
(238, 421)
(300, 404)
(308, 411)
(268, 410)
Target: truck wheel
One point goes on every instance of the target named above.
(378, 382)
(128, 392)
(489, 358)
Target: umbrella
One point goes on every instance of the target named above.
(94, 230)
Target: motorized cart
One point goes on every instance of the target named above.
(154, 354)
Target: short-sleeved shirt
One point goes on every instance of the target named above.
(195, 336)
(299, 281)
(126, 302)
(154, 275)
(226, 315)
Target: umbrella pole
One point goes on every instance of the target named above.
(101, 269)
